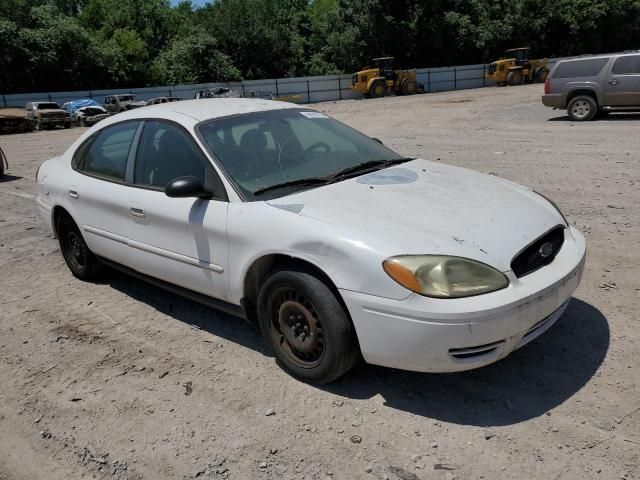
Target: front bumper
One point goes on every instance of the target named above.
(447, 335)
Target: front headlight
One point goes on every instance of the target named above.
(442, 276)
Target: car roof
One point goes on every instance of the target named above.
(195, 111)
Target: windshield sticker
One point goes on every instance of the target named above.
(314, 115)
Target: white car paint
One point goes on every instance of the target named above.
(346, 229)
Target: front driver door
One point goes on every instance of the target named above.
(179, 240)
(623, 83)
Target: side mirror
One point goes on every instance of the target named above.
(377, 140)
(184, 187)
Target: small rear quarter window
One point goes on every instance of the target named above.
(588, 67)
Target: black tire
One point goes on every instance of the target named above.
(80, 260)
(319, 342)
(409, 87)
(83, 122)
(582, 108)
(377, 89)
(541, 75)
(514, 78)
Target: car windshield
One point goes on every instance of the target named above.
(263, 150)
(127, 98)
(48, 106)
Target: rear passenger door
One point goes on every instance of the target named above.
(623, 82)
(97, 190)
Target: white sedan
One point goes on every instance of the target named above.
(337, 246)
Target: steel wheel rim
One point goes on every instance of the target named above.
(74, 249)
(295, 328)
(581, 109)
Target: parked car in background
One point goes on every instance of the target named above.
(122, 103)
(281, 214)
(217, 92)
(88, 116)
(599, 84)
(157, 100)
(47, 115)
(85, 112)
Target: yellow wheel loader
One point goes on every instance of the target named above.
(517, 67)
(382, 79)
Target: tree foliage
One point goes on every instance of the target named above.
(80, 44)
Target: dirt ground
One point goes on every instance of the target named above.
(119, 379)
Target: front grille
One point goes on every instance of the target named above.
(538, 254)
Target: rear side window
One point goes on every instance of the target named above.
(580, 68)
(107, 156)
(627, 65)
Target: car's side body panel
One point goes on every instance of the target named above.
(180, 240)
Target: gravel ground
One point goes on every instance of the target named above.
(118, 379)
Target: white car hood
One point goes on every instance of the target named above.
(424, 207)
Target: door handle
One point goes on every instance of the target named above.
(137, 212)
(614, 82)
(73, 194)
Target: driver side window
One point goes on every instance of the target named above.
(165, 153)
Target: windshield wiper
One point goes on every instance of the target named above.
(303, 182)
(341, 175)
(365, 168)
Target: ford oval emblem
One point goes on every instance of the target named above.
(546, 249)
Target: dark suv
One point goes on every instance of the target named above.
(586, 86)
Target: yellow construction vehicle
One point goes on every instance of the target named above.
(382, 79)
(517, 67)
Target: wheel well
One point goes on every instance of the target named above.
(581, 91)
(58, 212)
(262, 268)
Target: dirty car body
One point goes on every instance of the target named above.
(337, 245)
(89, 116)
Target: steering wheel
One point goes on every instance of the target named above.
(317, 145)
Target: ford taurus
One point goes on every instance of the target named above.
(337, 246)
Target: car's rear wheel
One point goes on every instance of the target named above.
(306, 326)
(582, 108)
(80, 260)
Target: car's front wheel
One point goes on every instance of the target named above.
(306, 326)
(80, 260)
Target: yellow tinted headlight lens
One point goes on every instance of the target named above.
(442, 276)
